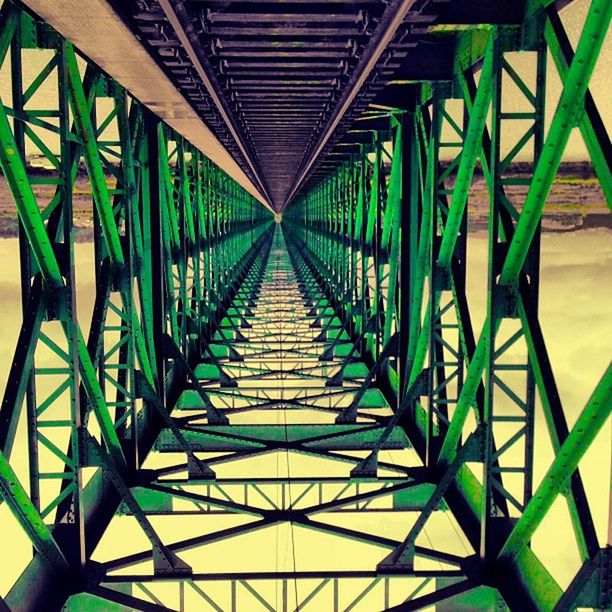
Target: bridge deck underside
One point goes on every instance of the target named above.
(288, 519)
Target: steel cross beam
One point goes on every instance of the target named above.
(269, 502)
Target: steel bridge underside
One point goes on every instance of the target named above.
(266, 411)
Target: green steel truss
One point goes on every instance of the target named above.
(341, 337)
(173, 238)
(386, 234)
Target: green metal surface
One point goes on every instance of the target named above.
(341, 336)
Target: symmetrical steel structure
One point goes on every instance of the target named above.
(239, 378)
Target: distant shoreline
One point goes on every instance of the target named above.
(576, 201)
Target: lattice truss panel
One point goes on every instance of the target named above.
(384, 223)
(250, 415)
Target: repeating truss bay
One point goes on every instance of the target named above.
(285, 427)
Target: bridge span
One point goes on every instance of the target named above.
(255, 366)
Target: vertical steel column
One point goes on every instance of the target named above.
(509, 382)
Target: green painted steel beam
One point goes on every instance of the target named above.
(347, 229)
(588, 424)
(567, 116)
(558, 430)
(14, 170)
(19, 184)
(470, 48)
(231, 225)
(390, 239)
(82, 120)
(469, 155)
(240, 437)
(466, 398)
(545, 171)
(557, 41)
(9, 16)
(29, 517)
